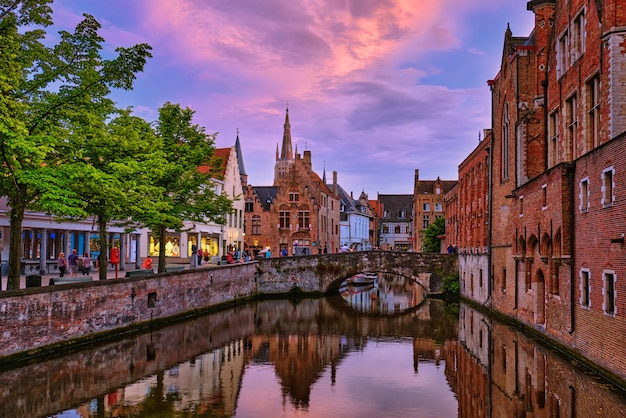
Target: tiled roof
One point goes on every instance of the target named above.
(394, 203)
(264, 193)
(428, 186)
(223, 154)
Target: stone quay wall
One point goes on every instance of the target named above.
(40, 320)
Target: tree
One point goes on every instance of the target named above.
(188, 192)
(44, 93)
(431, 243)
(116, 163)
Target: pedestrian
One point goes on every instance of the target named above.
(147, 264)
(62, 264)
(86, 264)
(72, 260)
(268, 253)
(450, 249)
(283, 252)
(199, 255)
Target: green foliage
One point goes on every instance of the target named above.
(184, 177)
(53, 102)
(451, 284)
(66, 150)
(431, 243)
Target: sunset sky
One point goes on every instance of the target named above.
(375, 88)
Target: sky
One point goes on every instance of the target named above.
(375, 88)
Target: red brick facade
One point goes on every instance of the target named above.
(558, 157)
(298, 213)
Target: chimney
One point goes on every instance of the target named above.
(335, 189)
(307, 159)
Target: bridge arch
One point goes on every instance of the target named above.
(323, 273)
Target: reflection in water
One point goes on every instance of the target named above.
(313, 358)
(381, 293)
(497, 371)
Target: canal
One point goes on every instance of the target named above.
(377, 349)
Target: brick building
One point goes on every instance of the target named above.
(396, 222)
(299, 213)
(467, 211)
(428, 205)
(556, 248)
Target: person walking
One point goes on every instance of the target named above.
(62, 264)
(86, 264)
(199, 255)
(72, 260)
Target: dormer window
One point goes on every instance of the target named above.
(402, 214)
(294, 196)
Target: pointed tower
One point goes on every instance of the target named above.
(285, 160)
(242, 168)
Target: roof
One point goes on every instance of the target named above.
(428, 186)
(223, 154)
(346, 200)
(264, 193)
(394, 203)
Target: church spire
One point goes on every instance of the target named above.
(286, 152)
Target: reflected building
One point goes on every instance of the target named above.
(497, 371)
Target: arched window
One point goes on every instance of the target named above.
(505, 142)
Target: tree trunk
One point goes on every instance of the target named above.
(15, 245)
(161, 249)
(104, 248)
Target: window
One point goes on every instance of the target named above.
(480, 278)
(578, 39)
(249, 206)
(402, 214)
(544, 197)
(505, 143)
(554, 287)
(385, 229)
(438, 207)
(426, 207)
(397, 229)
(553, 135)
(256, 225)
(283, 218)
(609, 292)
(562, 54)
(504, 280)
(607, 187)
(294, 196)
(593, 113)
(386, 214)
(521, 206)
(303, 219)
(571, 128)
(584, 195)
(585, 288)
(425, 221)
(438, 190)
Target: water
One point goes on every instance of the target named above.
(317, 358)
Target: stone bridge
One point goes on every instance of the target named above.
(324, 273)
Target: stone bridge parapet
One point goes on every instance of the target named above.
(324, 273)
